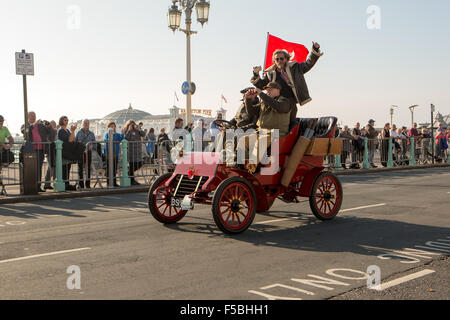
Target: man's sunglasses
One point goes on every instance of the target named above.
(280, 59)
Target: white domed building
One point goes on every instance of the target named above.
(157, 122)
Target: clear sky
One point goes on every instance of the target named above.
(123, 51)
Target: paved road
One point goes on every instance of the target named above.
(123, 253)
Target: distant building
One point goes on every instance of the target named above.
(157, 122)
(445, 120)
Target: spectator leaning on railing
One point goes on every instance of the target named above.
(358, 146)
(346, 145)
(133, 134)
(151, 144)
(67, 136)
(5, 149)
(51, 170)
(84, 136)
(385, 136)
(116, 138)
(164, 147)
(372, 135)
(396, 139)
(441, 145)
(38, 131)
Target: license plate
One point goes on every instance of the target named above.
(174, 202)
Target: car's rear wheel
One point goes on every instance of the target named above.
(326, 196)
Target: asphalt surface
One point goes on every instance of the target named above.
(123, 253)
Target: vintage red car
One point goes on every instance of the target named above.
(235, 195)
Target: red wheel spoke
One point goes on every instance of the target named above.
(161, 204)
(232, 219)
(329, 207)
(226, 198)
(321, 206)
(228, 217)
(164, 212)
(237, 217)
(244, 215)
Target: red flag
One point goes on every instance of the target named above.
(297, 51)
(224, 99)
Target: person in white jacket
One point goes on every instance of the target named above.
(200, 136)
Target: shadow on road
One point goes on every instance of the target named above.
(365, 236)
(72, 207)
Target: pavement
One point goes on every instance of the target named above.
(394, 227)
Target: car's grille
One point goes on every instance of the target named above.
(187, 186)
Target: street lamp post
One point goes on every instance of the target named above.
(432, 131)
(412, 114)
(174, 16)
(392, 113)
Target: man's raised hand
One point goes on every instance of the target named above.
(316, 45)
(257, 69)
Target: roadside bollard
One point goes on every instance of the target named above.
(337, 163)
(412, 156)
(390, 162)
(366, 164)
(60, 185)
(125, 180)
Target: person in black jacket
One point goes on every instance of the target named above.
(66, 136)
(290, 75)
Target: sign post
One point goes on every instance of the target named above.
(25, 67)
(432, 132)
(29, 167)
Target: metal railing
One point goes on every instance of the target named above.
(109, 164)
(389, 152)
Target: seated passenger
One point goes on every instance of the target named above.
(273, 112)
(242, 119)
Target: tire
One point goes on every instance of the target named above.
(226, 196)
(159, 204)
(326, 188)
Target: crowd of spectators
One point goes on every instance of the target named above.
(146, 146)
(353, 143)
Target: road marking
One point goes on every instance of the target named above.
(401, 280)
(43, 255)
(345, 210)
(277, 220)
(369, 206)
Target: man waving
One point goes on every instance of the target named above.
(290, 75)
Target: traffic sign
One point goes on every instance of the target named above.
(185, 88)
(193, 88)
(24, 64)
